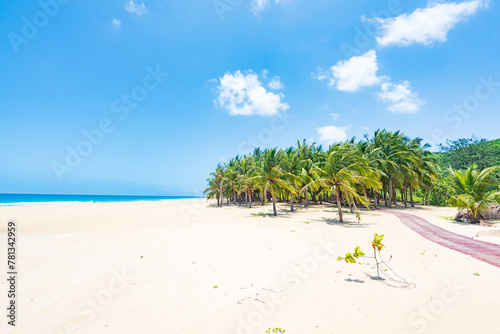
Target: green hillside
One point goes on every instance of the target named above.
(462, 153)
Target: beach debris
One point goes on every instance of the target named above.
(476, 274)
(239, 301)
(276, 330)
(216, 286)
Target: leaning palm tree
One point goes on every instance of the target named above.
(344, 168)
(269, 175)
(476, 190)
(212, 191)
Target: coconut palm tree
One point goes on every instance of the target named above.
(395, 160)
(343, 169)
(215, 185)
(476, 190)
(269, 175)
(291, 166)
(219, 179)
(231, 179)
(244, 169)
(212, 191)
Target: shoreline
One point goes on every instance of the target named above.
(94, 202)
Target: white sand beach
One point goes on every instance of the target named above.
(186, 267)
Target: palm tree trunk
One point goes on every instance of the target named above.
(305, 198)
(246, 197)
(375, 194)
(406, 194)
(221, 197)
(250, 194)
(234, 197)
(339, 205)
(291, 202)
(411, 196)
(385, 197)
(274, 204)
(390, 193)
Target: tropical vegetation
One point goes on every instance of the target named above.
(378, 170)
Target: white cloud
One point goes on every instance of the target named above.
(330, 134)
(353, 74)
(243, 94)
(400, 97)
(116, 23)
(139, 8)
(426, 26)
(259, 5)
(335, 116)
(276, 84)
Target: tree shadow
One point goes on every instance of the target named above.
(346, 223)
(354, 280)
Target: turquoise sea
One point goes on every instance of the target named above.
(32, 199)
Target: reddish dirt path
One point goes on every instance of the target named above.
(484, 251)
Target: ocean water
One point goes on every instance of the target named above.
(37, 199)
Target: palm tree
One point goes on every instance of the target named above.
(219, 179)
(343, 169)
(215, 184)
(476, 190)
(212, 191)
(306, 154)
(245, 169)
(395, 160)
(291, 167)
(231, 178)
(269, 175)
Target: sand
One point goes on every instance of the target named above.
(187, 267)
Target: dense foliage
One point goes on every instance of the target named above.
(347, 174)
(475, 190)
(464, 152)
(386, 167)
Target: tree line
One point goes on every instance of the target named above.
(375, 170)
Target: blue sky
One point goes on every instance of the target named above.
(123, 97)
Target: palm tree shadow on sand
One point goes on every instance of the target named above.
(346, 223)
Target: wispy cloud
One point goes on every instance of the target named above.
(116, 23)
(330, 134)
(353, 74)
(136, 8)
(259, 5)
(244, 94)
(425, 25)
(276, 84)
(400, 97)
